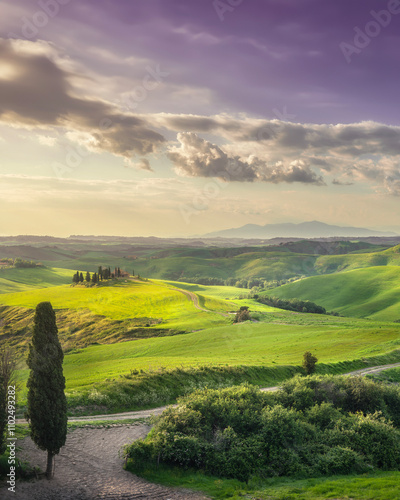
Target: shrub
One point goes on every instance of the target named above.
(242, 315)
(309, 362)
(299, 431)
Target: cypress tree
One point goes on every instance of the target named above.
(47, 405)
(81, 277)
(87, 277)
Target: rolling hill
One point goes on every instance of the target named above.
(373, 292)
(18, 280)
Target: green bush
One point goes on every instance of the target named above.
(308, 428)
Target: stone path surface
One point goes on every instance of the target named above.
(89, 468)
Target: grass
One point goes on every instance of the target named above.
(255, 352)
(390, 376)
(372, 486)
(373, 292)
(19, 280)
(218, 292)
(242, 344)
(120, 301)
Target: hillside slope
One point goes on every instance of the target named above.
(22, 279)
(373, 292)
(150, 304)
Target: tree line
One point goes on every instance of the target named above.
(101, 275)
(250, 283)
(296, 305)
(20, 263)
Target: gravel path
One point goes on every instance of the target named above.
(89, 468)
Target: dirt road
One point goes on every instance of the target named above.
(89, 468)
(194, 298)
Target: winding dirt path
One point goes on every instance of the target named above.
(194, 298)
(89, 468)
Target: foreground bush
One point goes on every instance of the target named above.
(312, 427)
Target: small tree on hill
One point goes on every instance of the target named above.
(94, 278)
(81, 277)
(242, 315)
(87, 277)
(309, 362)
(47, 405)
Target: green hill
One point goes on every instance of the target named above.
(22, 279)
(365, 293)
(154, 304)
(336, 263)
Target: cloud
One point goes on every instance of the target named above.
(142, 164)
(46, 140)
(337, 182)
(350, 140)
(197, 157)
(37, 90)
(366, 152)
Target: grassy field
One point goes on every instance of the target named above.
(218, 292)
(337, 263)
(274, 338)
(366, 293)
(212, 350)
(373, 486)
(124, 300)
(18, 280)
(390, 376)
(251, 344)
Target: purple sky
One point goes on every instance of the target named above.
(238, 67)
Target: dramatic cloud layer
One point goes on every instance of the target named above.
(197, 157)
(362, 152)
(247, 111)
(37, 90)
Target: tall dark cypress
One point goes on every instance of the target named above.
(47, 405)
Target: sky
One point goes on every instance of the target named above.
(183, 117)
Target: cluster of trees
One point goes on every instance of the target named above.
(21, 263)
(296, 305)
(102, 274)
(314, 426)
(257, 284)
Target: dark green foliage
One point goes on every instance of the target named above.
(309, 362)
(297, 305)
(242, 315)
(304, 430)
(87, 278)
(8, 385)
(46, 404)
(20, 263)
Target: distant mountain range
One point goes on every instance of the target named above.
(313, 229)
